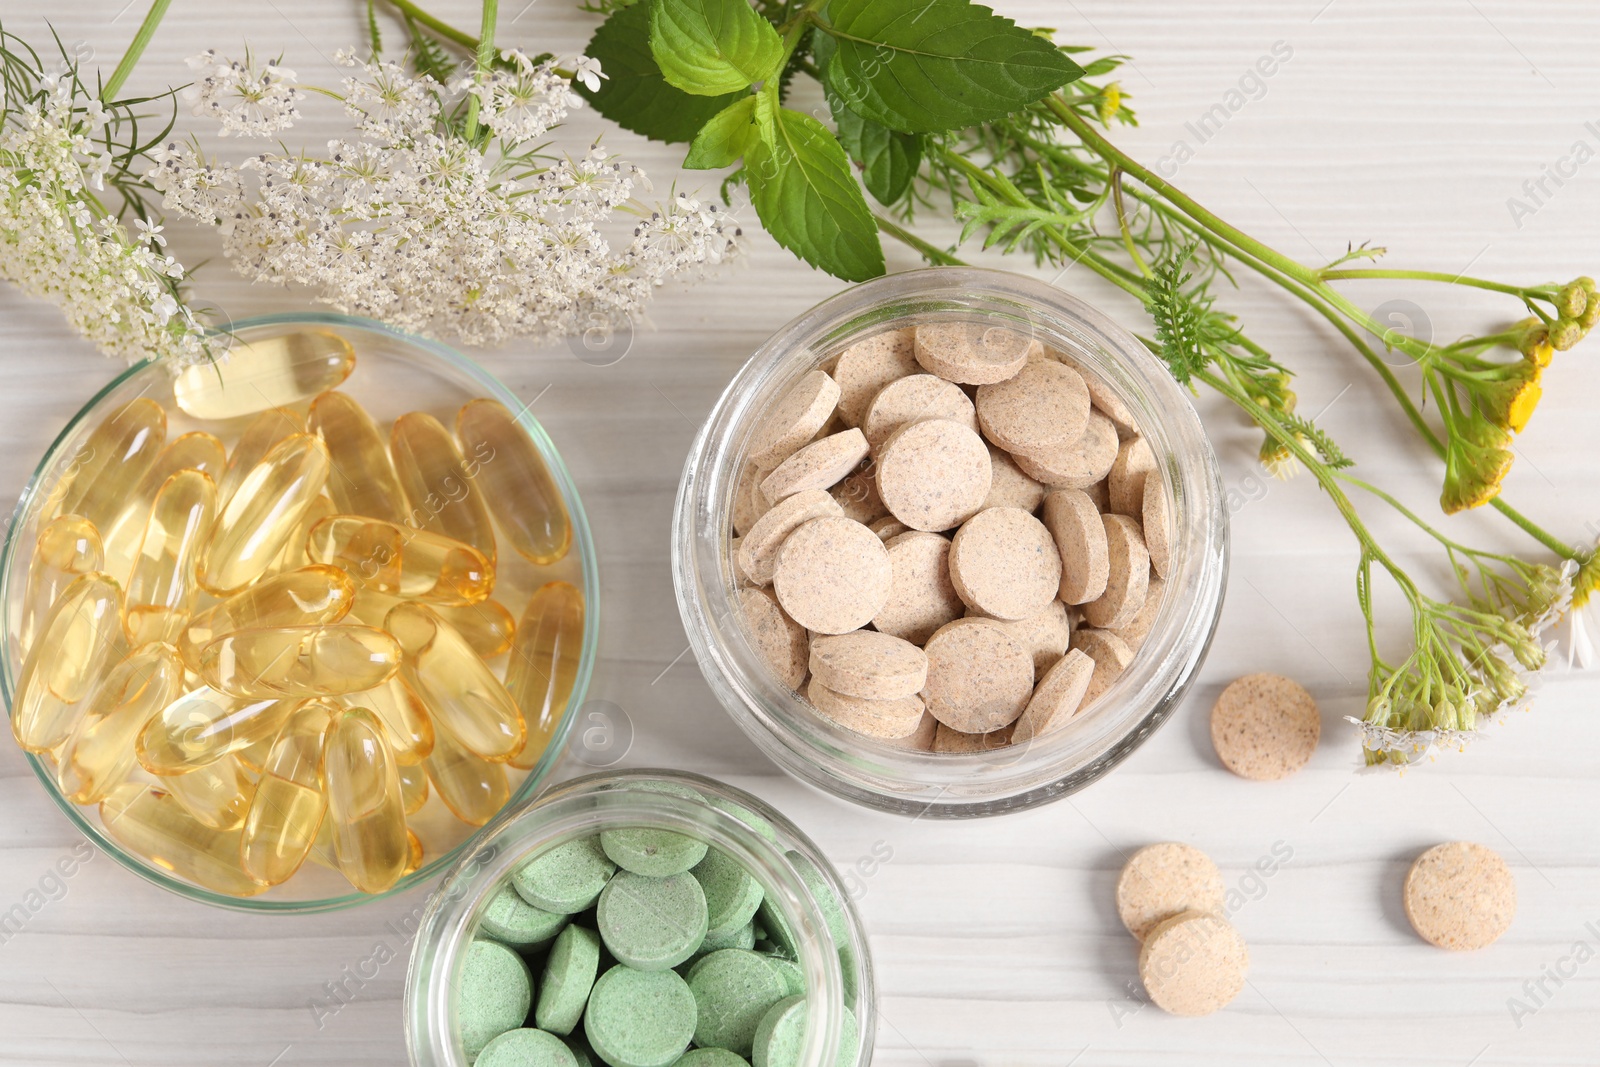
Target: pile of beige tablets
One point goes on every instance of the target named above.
(952, 538)
(1191, 959)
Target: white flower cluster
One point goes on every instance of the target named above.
(58, 242)
(244, 98)
(407, 221)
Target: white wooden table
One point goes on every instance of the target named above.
(996, 943)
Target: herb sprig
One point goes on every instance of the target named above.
(947, 106)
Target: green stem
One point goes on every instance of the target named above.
(485, 60)
(439, 26)
(930, 252)
(1423, 276)
(1263, 252)
(130, 58)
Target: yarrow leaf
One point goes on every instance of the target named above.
(924, 66)
(1178, 319)
(808, 199)
(712, 47)
(635, 95)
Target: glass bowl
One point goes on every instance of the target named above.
(833, 957)
(413, 374)
(874, 773)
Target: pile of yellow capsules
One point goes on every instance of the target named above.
(252, 658)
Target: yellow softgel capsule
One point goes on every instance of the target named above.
(204, 725)
(300, 661)
(363, 481)
(264, 433)
(272, 372)
(461, 693)
(116, 456)
(440, 484)
(487, 625)
(67, 548)
(364, 802)
(473, 789)
(404, 718)
(260, 518)
(307, 596)
(148, 821)
(80, 637)
(413, 788)
(414, 853)
(198, 451)
(544, 664)
(216, 795)
(294, 555)
(516, 482)
(289, 802)
(401, 562)
(100, 752)
(162, 591)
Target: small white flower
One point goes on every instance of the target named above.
(587, 71)
(150, 232)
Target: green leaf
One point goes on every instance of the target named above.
(428, 55)
(1177, 317)
(634, 95)
(712, 47)
(729, 135)
(374, 35)
(888, 159)
(808, 199)
(922, 66)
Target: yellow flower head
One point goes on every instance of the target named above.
(1509, 403)
(1110, 103)
(1472, 475)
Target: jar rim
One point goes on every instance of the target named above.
(876, 774)
(583, 806)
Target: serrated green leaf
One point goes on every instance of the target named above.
(374, 35)
(727, 137)
(712, 47)
(923, 66)
(888, 159)
(808, 199)
(635, 95)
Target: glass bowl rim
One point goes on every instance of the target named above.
(802, 748)
(583, 542)
(559, 814)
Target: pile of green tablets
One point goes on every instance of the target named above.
(639, 947)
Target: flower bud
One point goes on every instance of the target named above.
(1564, 334)
(1571, 301)
(1591, 313)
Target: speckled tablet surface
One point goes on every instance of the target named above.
(979, 677)
(1265, 726)
(1004, 564)
(934, 475)
(794, 419)
(782, 642)
(1460, 895)
(832, 575)
(1193, 964)
(1163, 880)
(865, 663)
(922, 597)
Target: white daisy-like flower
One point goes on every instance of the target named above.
(1580, 630)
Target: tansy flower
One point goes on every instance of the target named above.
(1509, 402)
(1475, 465)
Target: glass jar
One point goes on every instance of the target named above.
(396, 372)
(837, 970)
(872, 772)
